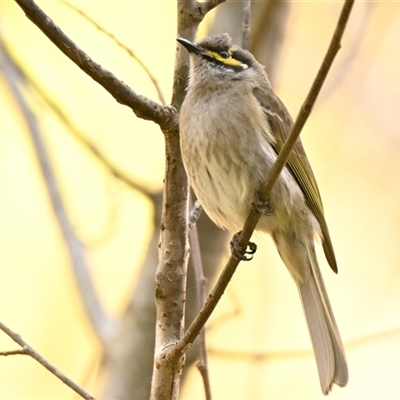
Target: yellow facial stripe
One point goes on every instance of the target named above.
(227, 61)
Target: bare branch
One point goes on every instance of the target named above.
(13, 353)
(208, 5)
(103, 325)
(174, 246)
(171, 273)
(254, 216)
(308, 104)
(201, 286)
(246, 24)
(190, 14)
(268, 33)
(40, 359)
(73, 129)
(143, 107)
(124, 47)
(124, 376)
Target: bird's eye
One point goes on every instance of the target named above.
(224, 54)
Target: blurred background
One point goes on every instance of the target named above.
(108, 169)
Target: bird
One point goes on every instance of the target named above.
(232, 127)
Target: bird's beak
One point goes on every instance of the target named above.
(189, 46)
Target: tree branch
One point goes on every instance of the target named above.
(230, 268)
(246, 24)
(208, 5)
(174, 247)
(201, 288)
(124, 47)
(40, 359)
(143, 107)
(268, 32)
(73, 129)
(13, 353)
(103, 325)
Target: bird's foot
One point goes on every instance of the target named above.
(240, 252)
(263, 207)
(195, 214)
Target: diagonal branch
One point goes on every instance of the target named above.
(305, 112)
(230, 268)
(143, 107)
(124, 47)
(26, 349)
(78, 133)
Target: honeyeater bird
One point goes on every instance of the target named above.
(232, 126)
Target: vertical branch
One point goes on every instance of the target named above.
(188, 30)
(246, 24)
(268, 34)
(174, 247)
(171, 272)
(201, 286)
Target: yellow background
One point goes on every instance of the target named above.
(262, 351)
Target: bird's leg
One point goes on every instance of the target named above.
(240, 252)
(262, 206)
(195, 214)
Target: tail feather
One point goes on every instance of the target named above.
(325, 337)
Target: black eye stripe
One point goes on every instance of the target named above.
(242, 57)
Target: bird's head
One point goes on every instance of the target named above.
(215, 59)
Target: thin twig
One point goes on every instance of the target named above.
(254, 216)
(124, 47)
(103, 324)
(201, 286)
(246, 23)
(165, 116)
(74, 130)
(40, 359)
(296, 353)
(13, 353)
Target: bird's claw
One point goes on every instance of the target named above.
(240, 252)
(195, 214)
(263, 207)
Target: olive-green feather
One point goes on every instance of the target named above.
(281, 123)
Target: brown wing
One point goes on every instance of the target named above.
(281, 123)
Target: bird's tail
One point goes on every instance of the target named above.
(325, 337)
